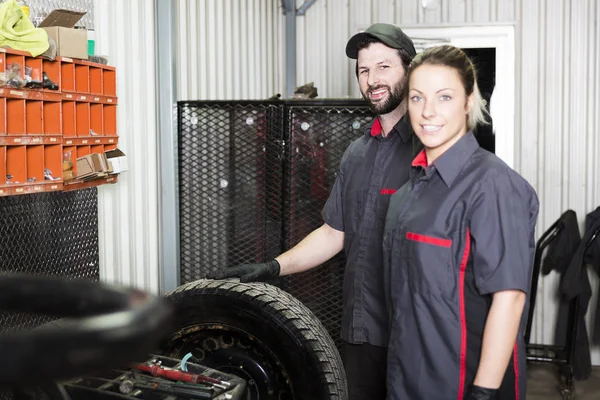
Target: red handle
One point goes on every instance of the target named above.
(175, 375)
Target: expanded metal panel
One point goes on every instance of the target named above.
(254, 177)
(319, 135)
(48, 234)
(230, 185)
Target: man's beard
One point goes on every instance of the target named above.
(391, 103)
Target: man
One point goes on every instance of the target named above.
(372, 168)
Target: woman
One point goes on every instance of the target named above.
(458, 248)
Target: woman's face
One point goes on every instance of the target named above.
(438, 108)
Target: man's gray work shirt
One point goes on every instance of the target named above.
(372, 168)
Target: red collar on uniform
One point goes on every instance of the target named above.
(376, 127)
(420, 160)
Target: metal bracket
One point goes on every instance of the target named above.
(305, 6)
(288, 6)
(290, 12)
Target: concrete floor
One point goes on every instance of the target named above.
(543, 383)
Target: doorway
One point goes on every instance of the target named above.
(484, 60)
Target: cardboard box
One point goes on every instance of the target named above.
(92, 166)
(70, 42)
(117, 161)
(97, 165)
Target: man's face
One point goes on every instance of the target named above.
(381, 77)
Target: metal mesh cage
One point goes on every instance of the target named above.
(319, 135)
(230, 185)
(253, 178)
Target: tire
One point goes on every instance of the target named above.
(258, 332)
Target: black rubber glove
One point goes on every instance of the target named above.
(250, 272)
(479, 393)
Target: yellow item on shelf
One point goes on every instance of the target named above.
(17, 30)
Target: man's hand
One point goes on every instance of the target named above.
(479, 393)
(250, 272)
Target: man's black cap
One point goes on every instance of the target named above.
(390, 35)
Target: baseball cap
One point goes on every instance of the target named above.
(390, 35)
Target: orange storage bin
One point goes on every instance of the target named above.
(67, 76)
(16, 59)
(96, 119)
(68, 119)
(15, 113)
(83, 151)
(52, 118)
(52, 69)
(33, 117)
(98, 148)
(82, 83)
(96, 85)
(82, 118)
(69, 153)
(109, 82)
(35, 67)
(110, 119)
(53, 157)
(2, 165)
(16, 164)
(35, 164)
(2, 120)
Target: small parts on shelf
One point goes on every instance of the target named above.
(48, 175)
(47, 82)
(54, 116)
(11, 77)
(67, 166)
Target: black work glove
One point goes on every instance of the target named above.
(479, 393)
(250, 272)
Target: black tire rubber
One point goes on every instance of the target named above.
(275, 318)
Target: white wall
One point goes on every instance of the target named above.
(229, 49)
(128, 210)
(558, 106)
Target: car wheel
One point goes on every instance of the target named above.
(260, 333)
